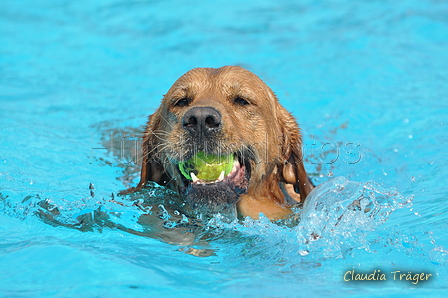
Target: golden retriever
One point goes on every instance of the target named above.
(223, 111)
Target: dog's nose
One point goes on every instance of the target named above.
(202, 120)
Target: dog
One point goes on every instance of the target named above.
(227, 111)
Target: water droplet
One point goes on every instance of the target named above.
(395, 150)
(412, 178)
(168, 224)
(303, 252)
(385, 174)
(406, 121)
(410, 136)
(184, 219)
(330, 174)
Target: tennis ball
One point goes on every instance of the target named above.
(207, 167)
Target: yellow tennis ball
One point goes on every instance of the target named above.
(207, 167)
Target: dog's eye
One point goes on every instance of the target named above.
(240, 101)
(182, 102)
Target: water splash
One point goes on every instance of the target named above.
(339, 218)
(339, 215)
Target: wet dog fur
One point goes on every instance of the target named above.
(220, 111)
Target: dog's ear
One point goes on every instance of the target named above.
(152, 166)
(293, 171)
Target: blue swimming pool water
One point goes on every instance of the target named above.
(369, 78)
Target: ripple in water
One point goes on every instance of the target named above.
(336, 219)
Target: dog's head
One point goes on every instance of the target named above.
(227, 112)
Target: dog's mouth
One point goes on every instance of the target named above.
(214, 183)
(207, 169)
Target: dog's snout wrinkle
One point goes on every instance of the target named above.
(202, 120)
